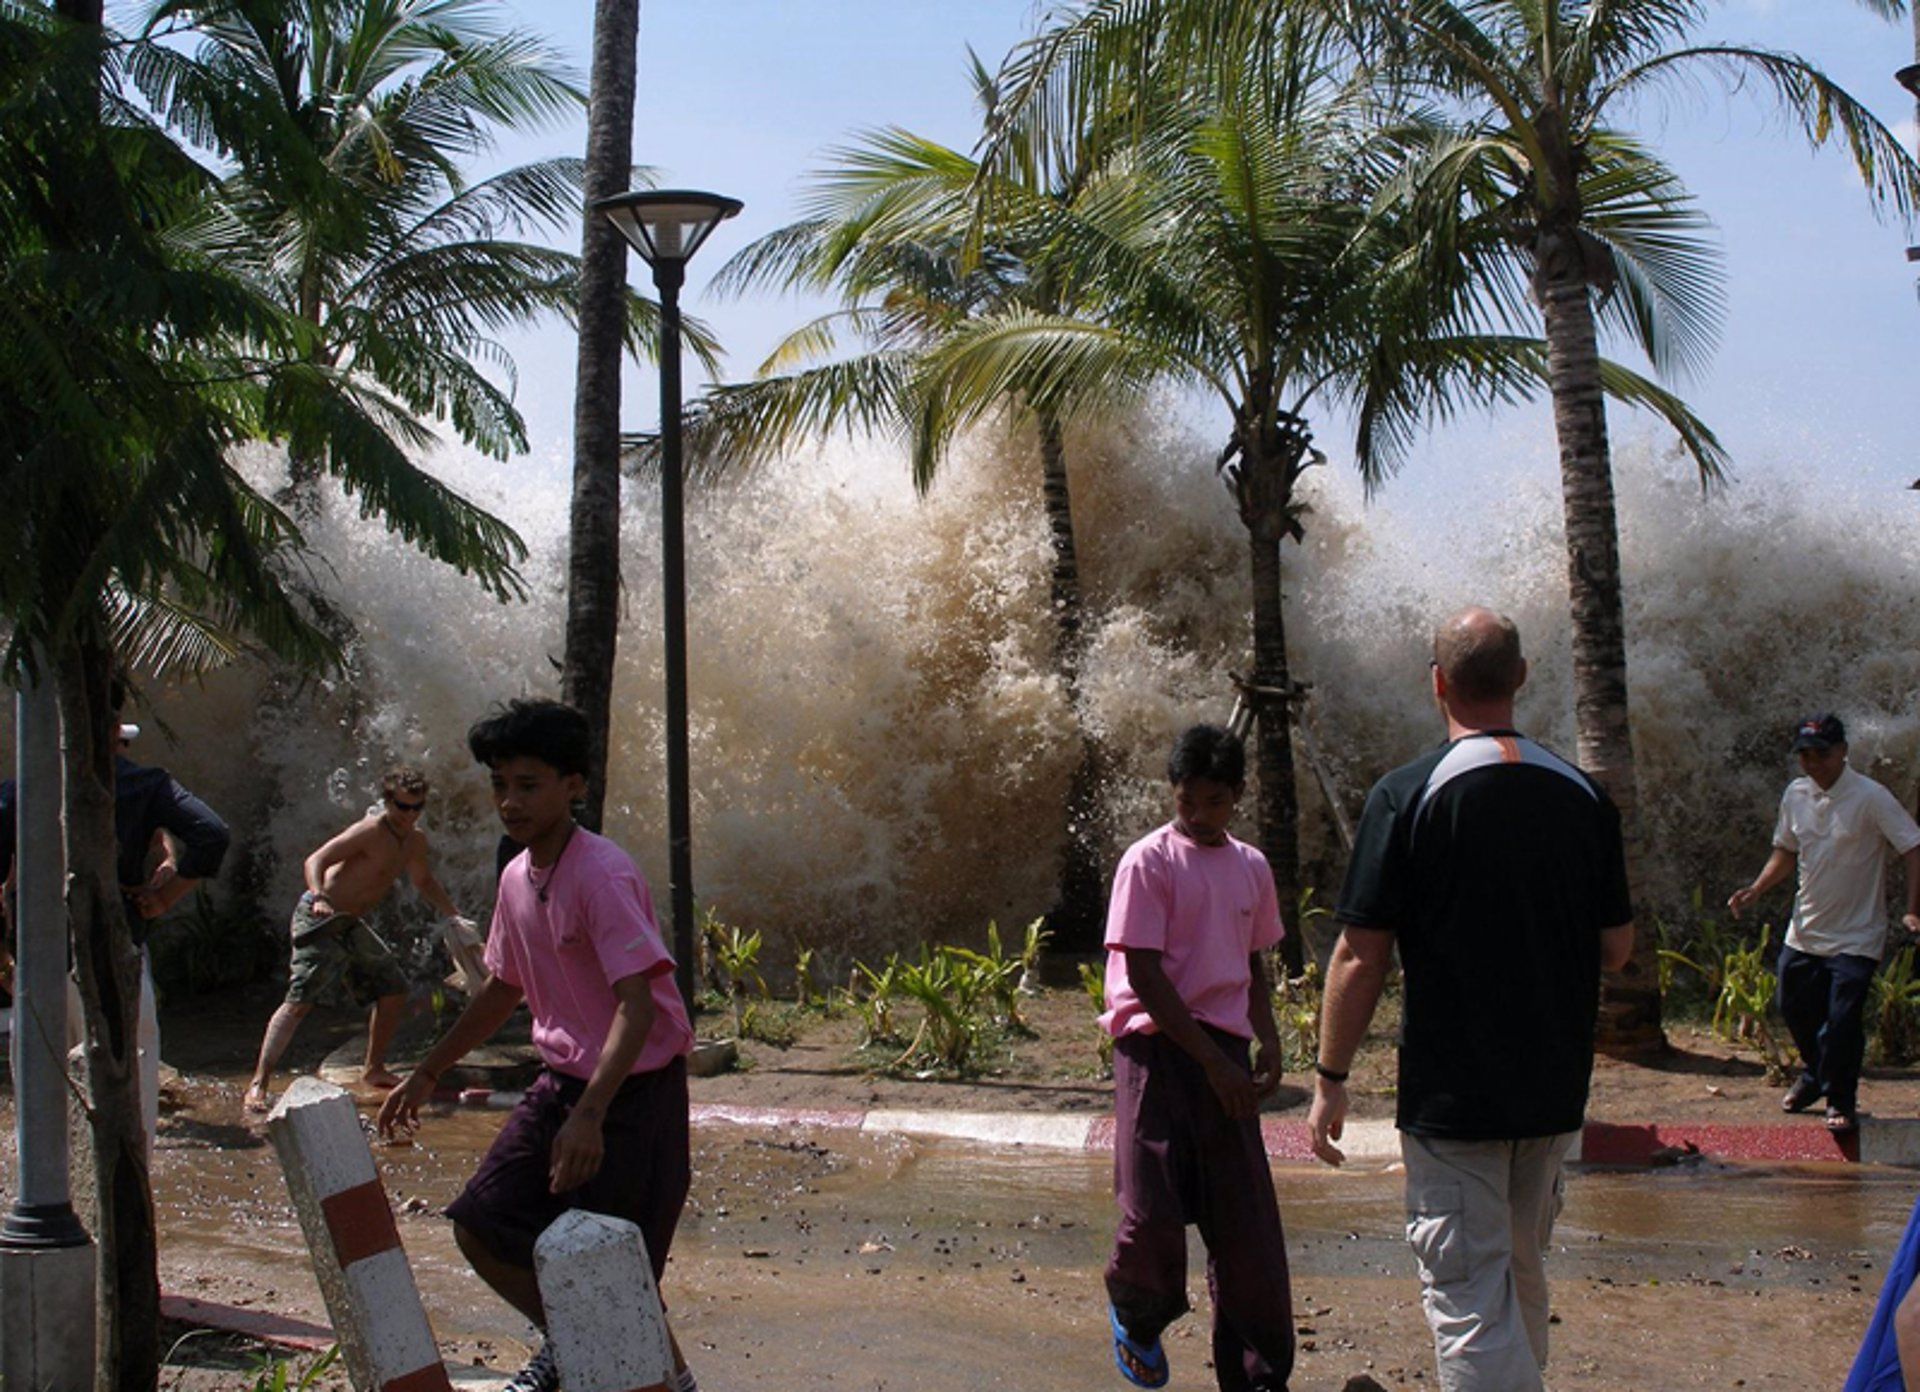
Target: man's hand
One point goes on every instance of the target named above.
(1911, 922)
(1327, 1119)
(1738, 900)
(1266, 1069)
(577, 1151)
(1233, 1087)
(400, 1113)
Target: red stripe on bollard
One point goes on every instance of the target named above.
(432, 1378)
(361, 1223)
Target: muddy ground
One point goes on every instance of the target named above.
(836, 1261)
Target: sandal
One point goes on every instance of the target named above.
(1143, 1365)
(1802, 1095)
(1841, 1123)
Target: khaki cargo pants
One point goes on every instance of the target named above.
(1479, 1219)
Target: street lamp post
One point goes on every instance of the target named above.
(666, 227)
(46, 1257)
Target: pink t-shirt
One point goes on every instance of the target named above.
(1206, 910)
(596, 927)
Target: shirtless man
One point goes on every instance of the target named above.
(332, 945)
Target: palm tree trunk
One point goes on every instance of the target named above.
(593, 553)
(1278, 804)
(107, 968)
(1630, 999)
(1077, 921)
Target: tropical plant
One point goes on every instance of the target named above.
(805, 992)
(738, 956)
(593, 528)
(892, 228)
(138, 362)
(874, 993)
(949, 983)
(1248, 245)
(1093, 983)
(1559, 211)
(1896, 1010)
(278, 1375)
(1296, 1009)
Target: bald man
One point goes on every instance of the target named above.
(1497, 869)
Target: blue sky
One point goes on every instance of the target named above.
(1816, 367)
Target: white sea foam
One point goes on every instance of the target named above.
(881, 752)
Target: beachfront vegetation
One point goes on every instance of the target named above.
(328, 288)
(1558, 217)
(925, 256)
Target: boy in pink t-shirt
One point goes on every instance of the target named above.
(604, 1127)
(1187, 990)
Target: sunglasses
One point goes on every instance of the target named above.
(400, 806)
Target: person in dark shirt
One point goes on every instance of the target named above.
(1496, 867)
(149, 807)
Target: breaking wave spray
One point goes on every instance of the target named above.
(881, 752)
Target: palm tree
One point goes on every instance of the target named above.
(347, 124)
(1263, 258)
(139, 361)
(593, 532)
(1565, 215)
(891, 229)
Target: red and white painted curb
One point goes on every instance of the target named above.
(357, 1257)
(1879, 1141)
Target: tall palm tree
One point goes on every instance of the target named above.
(1263, 258)
(891, 229)
(1565, 216)
(139, 361)
(593, 530)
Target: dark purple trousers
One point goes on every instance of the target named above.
(1179, 1159)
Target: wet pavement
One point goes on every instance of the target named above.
(831, 1259)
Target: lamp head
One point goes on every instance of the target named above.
(666, 226)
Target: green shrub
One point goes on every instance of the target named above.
(1896, 1010)
(1093, 981)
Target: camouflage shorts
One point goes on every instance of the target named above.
(337, 955)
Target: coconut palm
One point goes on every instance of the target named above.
(891, 229)
(1566, 216)
(1264, 258)
(593, 529)
(348, 125)
(139, 361)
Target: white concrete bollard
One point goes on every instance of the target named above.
(371, 1298)
(604, 1320)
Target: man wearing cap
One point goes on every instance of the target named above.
(1835, 827)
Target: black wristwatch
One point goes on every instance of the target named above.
(1332, 1075)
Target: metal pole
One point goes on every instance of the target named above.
(42, 1214)
(668, 277)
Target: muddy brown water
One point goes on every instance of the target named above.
(833, 1260)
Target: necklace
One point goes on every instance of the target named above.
(399, 837)
(541, 887)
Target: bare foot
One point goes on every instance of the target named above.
(257, 1100)
(380, 1078)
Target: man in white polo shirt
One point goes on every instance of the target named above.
(1835, 826)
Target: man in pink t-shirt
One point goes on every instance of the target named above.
(1187, 991)
(604, 1127)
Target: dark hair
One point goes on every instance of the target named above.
(1209, 752)
(1478, 652)
(553, 733)
(403, 779)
